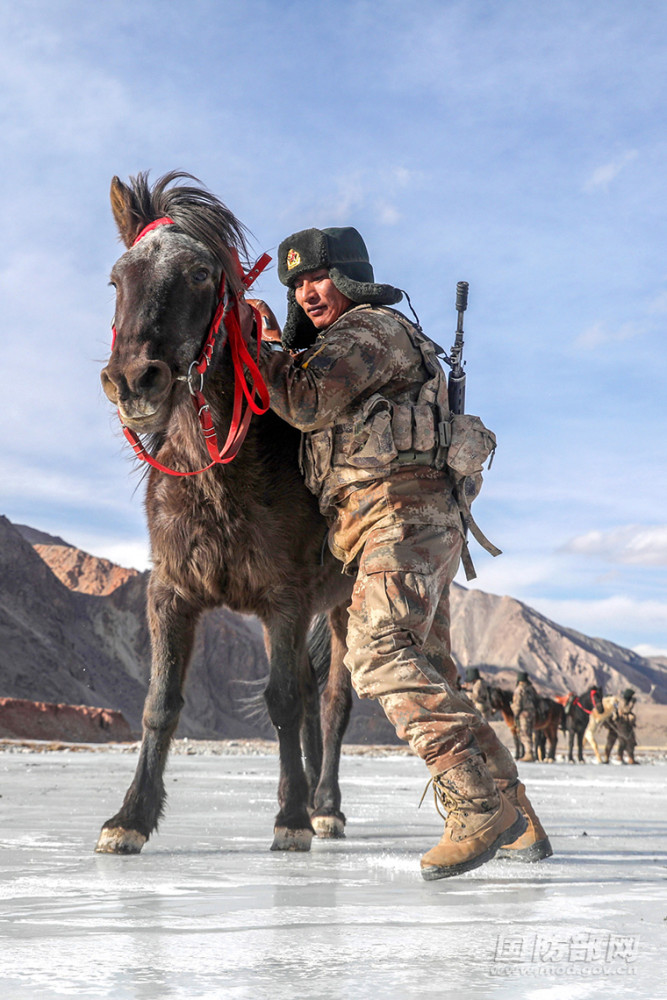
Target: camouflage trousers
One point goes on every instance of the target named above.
(399, 648)
(525, 725)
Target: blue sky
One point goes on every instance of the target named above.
(519, 146)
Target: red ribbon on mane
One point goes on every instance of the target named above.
(227, 313)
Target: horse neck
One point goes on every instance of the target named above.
(586, 700)
(183, 439)
(507, 699)
(608, 705)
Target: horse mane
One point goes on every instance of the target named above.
(195, 211)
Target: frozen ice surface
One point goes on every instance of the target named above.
(207, 911)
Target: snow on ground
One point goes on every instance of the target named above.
(207, 912)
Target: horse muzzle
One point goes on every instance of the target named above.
(138, 389)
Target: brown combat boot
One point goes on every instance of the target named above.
(479, 821)
(533, 844)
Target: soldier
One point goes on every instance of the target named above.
(524, 707)
(368, 394)
(479, 692)
(621, 727)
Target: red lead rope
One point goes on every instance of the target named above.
(227, 312)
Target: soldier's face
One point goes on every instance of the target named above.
(319, 298)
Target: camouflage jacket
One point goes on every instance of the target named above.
(370, 397)
(479, 695)
(524, 698)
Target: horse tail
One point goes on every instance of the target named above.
(319, 648)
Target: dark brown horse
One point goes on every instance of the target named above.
(548, 720)
(246, 534)
(501, 701)
(577, 711)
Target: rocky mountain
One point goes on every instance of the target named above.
(72, 630)
(501, 635)
(61, 643)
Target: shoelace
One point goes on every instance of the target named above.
(439, 797)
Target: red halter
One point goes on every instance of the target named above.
(227, 312)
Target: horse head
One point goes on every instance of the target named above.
(594, 697)
(180, 242)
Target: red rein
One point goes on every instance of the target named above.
(227, 312)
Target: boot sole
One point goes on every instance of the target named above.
(512, 833)
(538, 851)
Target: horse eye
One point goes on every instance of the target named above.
(200, 275)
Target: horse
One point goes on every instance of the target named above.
(576, 714)
(548, 719)
(547, 724)
(501, 701)
(234, 526)
(597, 720)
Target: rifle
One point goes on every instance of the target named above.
(456, 385)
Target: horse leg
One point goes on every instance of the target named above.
(290, 678)
(580, 745)
(327, 819)
(311, 734)
(570, 743)
(552, 737)
(589, 736)
(172, 626)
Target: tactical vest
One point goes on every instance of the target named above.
(414, 427)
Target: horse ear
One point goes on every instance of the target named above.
(124, 211)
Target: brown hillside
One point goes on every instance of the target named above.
(72, 629)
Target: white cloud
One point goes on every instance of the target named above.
(364, 190)
(130, 554)
(645, 649)
(388, 214)
(601, 178)
(632, 544)
(599, 334)
(601, 617)
(658, 306)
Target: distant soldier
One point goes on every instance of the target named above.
(621, 728)
(479, 692)
(524, 707)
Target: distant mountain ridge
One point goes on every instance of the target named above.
(72, 629)
(501, 635)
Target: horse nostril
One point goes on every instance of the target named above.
(109, 387)
(150, 379)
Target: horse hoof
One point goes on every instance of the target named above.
(329, 827)
(285, 839)
(116, 840)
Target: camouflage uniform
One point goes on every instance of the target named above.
(622, 728)
(479, 693)
(524, 707)
(366, 397)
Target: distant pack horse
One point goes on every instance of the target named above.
(548, 719)
(229, 523)
(577, 711)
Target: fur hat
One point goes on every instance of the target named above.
(472, 674)
(521, 675)
(343, 253)
(628, 694)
